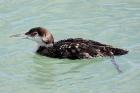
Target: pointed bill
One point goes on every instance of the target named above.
(22, 36)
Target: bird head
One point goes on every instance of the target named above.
(39, 35)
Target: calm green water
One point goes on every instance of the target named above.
(115, 22)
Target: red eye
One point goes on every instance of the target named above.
(33, 34)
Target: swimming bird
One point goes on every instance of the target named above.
(71, 48)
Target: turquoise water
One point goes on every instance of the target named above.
(115, 22)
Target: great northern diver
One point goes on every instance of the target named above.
(77, 48)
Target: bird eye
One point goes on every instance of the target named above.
(33, 34)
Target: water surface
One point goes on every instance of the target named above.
(115, 22)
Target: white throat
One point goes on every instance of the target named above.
(40, 41)
(45, 45)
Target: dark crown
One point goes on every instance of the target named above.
(41, 31)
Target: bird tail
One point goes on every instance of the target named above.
(118, 51)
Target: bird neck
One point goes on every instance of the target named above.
(46, 44)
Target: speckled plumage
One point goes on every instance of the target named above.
(79, 48)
